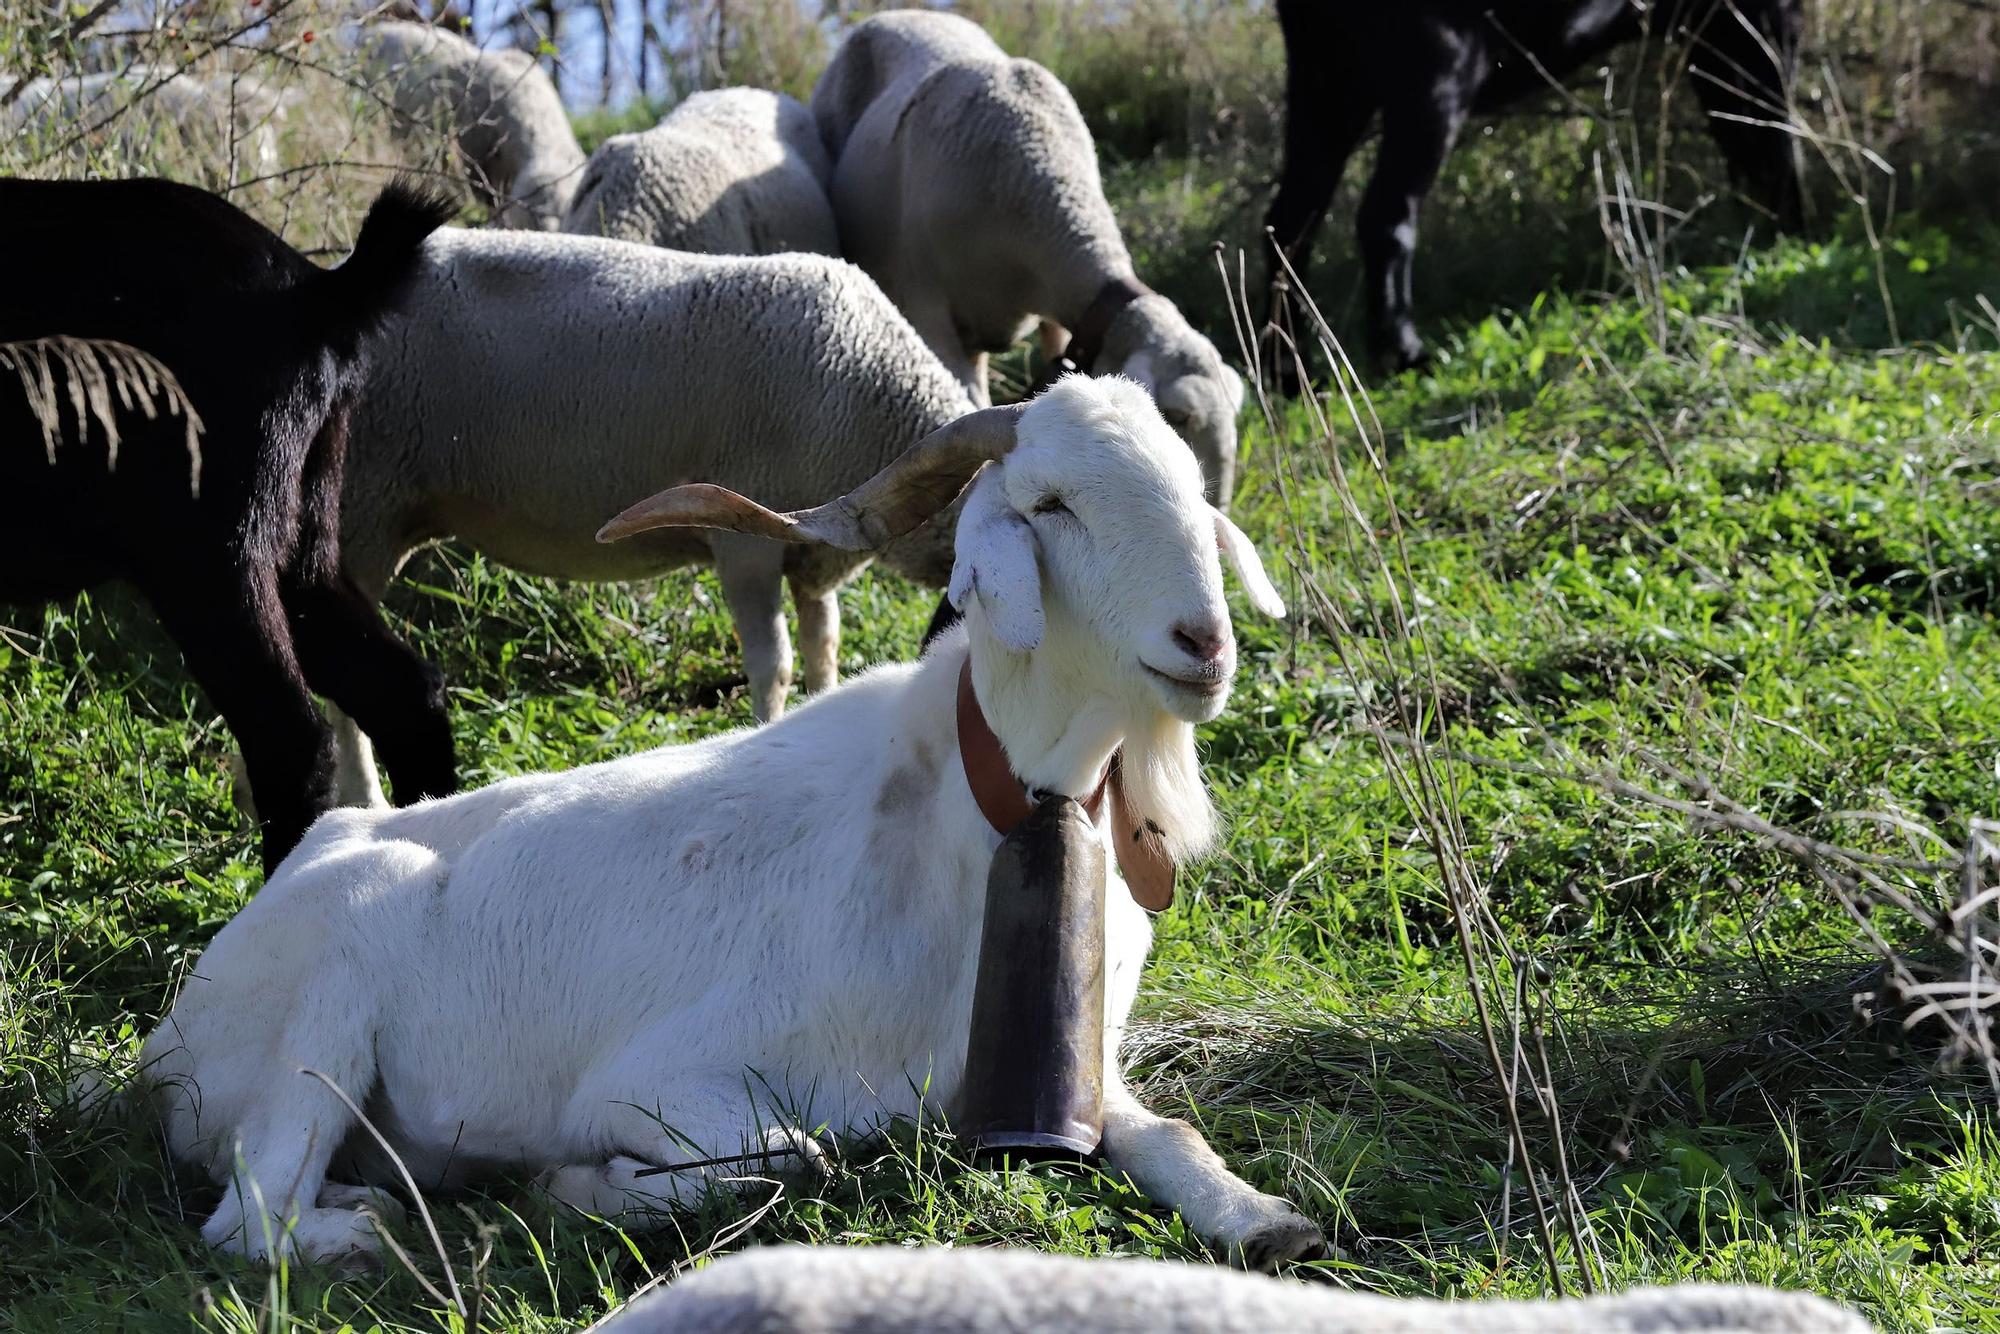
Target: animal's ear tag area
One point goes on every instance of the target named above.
(1243, 558)
(996, 562)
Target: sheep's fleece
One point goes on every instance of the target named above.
(215, 116)
(736, 171)
(966, 184)
(536, 385)
(506, 113)
(889, 1290)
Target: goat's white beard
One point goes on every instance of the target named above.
(1162, 778)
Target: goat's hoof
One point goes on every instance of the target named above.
(1289, 1236)
(364, 1199)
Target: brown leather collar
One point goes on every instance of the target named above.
(1086, 340)
(1003, 799)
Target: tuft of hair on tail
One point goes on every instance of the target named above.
(366, 288)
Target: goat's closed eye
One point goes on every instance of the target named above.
(1051, 504)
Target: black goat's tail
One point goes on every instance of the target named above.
(356, 297)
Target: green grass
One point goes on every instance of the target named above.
(1648, 538)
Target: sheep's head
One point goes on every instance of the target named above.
(1198, 393)
(1087, 529)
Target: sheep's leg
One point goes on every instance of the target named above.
(1053, 338)
(819, 635)
(229, 621)
(1419, 126)
(752, 573)
(982, 388)
(381, 687)
(1172, 1163)
(356, 779)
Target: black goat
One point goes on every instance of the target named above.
(245, 575)
(1428, 64)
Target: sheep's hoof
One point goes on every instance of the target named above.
(1289, 1236)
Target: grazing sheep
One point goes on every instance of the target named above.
(967, 184)
(537, 383)
(245, 571)
(1429, 64)
(737, 171)
(223, 118)
(717, 948)
(507, 116)
(890, 1290)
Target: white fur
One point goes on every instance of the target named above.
(890, 1290)
(967, 184)
(735, 171)
(216, 116)
(503, 109)
(714, 947)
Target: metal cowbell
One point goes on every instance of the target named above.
(1034, 1060)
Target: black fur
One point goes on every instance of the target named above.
(1428, 64)
(246, 576)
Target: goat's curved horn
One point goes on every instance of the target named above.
(923, 480)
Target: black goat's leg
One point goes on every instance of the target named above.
(1326, 112)
(1743, 60)
(1419, 127)
(229, 621)
(354, 659)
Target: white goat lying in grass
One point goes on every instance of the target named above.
(889, 1290)
(595, 972)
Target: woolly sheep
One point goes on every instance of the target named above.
(507, 116)
(967, 184)
(889, 1290)
(224, 118)
(737, 171)
(537, 383)
(724, 946)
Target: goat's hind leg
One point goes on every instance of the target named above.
(1172, 1163)
(381, 686)
(705, 1120)
(226, 615)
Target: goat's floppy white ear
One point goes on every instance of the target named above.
(1249, 567)
(996, 561)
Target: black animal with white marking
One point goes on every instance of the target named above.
(1426, 65)
(242, 563)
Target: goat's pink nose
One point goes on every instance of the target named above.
(1202, 642)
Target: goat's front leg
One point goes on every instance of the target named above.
(752, 573)
(1172, 1163)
